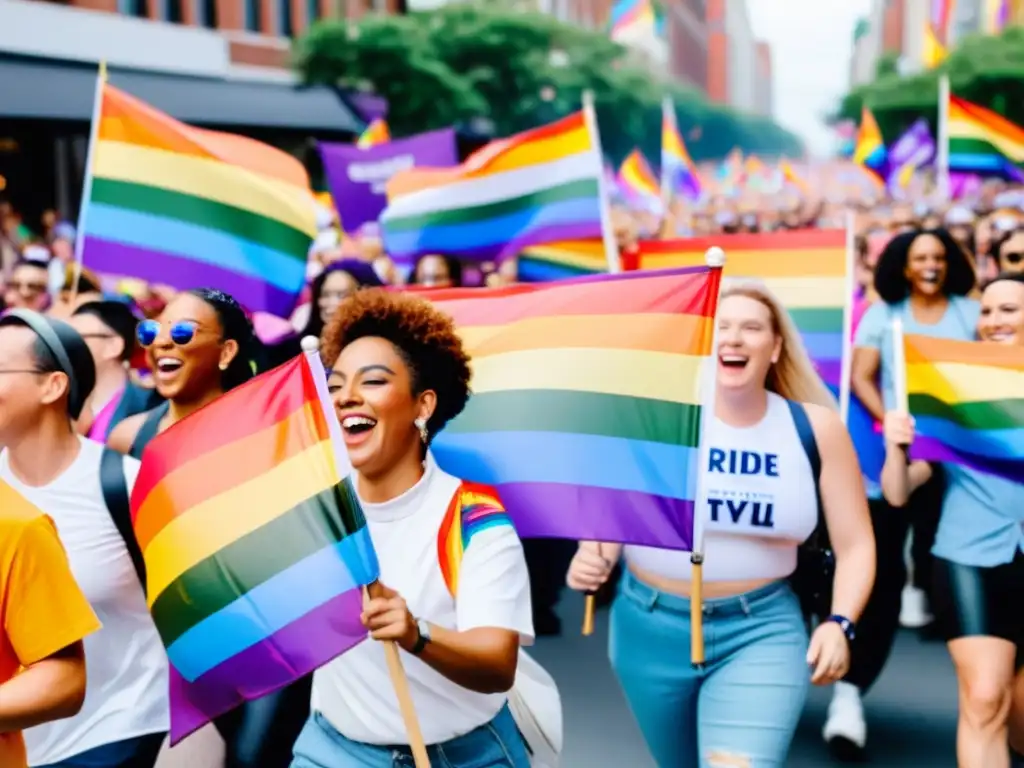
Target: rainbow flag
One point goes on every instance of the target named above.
(535, 188)
(869, 148)
(967, 399)
(806, 271)
(586, 402)
(937, 33)
(376, 133)
(254, 542)
(561, 261)
(982, 142)
(996, 16)
(175, 205)
(631, 18)
(678, 173)
(638, 183)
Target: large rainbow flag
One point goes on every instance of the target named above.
(180, 206)
(535, 188)
(967, 398)
(561, 261)
(586, 402)
(982, 142)
(376, 133)
(254, 543)
(807, 272)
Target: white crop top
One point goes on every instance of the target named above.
(759, 503)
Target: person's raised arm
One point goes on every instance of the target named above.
(45, 617)
(900, 476)
(867, 359)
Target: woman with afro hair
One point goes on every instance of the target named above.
(454, 592)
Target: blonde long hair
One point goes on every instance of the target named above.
(793, 376)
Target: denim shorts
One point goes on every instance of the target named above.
(497, 744)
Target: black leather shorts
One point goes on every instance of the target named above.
(970, 601)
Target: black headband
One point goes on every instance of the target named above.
(39, 325)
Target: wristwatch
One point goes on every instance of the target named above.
(845, 624)
(423, 629)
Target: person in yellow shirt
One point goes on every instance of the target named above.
(43, 618)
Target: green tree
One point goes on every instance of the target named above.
(985, 70)
(516, 69)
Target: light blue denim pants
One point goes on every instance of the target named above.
(743, 707)
(497, 744)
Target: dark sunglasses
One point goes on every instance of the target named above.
(182, 332)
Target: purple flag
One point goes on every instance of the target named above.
(358, 177)
(913, 150)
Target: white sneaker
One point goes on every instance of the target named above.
(914, 612)
(845, 731)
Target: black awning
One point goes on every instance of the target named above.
(48, 89)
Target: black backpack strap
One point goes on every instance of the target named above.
(805, 432)
(115, 496)
(149, 429)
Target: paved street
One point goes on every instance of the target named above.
(912, 711)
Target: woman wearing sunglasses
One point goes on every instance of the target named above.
(200, 347)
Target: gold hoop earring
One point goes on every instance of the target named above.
(421, 425)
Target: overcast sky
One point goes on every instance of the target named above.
(811, 45)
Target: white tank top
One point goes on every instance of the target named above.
(759, 503)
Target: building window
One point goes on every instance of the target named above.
(252, 15)
(208, 13)
(174, 11)
(312, 11)
(136, 8)
(287, 26)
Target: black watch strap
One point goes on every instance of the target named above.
(422, 638)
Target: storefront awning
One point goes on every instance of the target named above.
(46, 89)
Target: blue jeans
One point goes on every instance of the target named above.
(497, 744)
(742, 708)
(140, 752)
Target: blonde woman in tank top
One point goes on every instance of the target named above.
(759, 505)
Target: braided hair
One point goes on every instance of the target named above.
(235, 325)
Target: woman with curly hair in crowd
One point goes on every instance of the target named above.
(398, 374)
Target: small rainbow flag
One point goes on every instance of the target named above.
(806, 271)
(869, 149)
(561, 261)
(254, 543)
(184, 207)
(983, 142)
(376, 133)
(632, 17)
(585, 412)
(535, 188)
(967, 398)
(473, 509)
(679, 175)
(936, 33)
(996, 15)
(638, 183)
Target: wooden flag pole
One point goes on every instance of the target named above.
(715, 258)
(401, 685)
(589, 606)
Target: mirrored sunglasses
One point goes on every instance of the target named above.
(182, 332)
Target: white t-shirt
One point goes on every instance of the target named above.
(759, 503)
(354, 691)
(126, 685)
